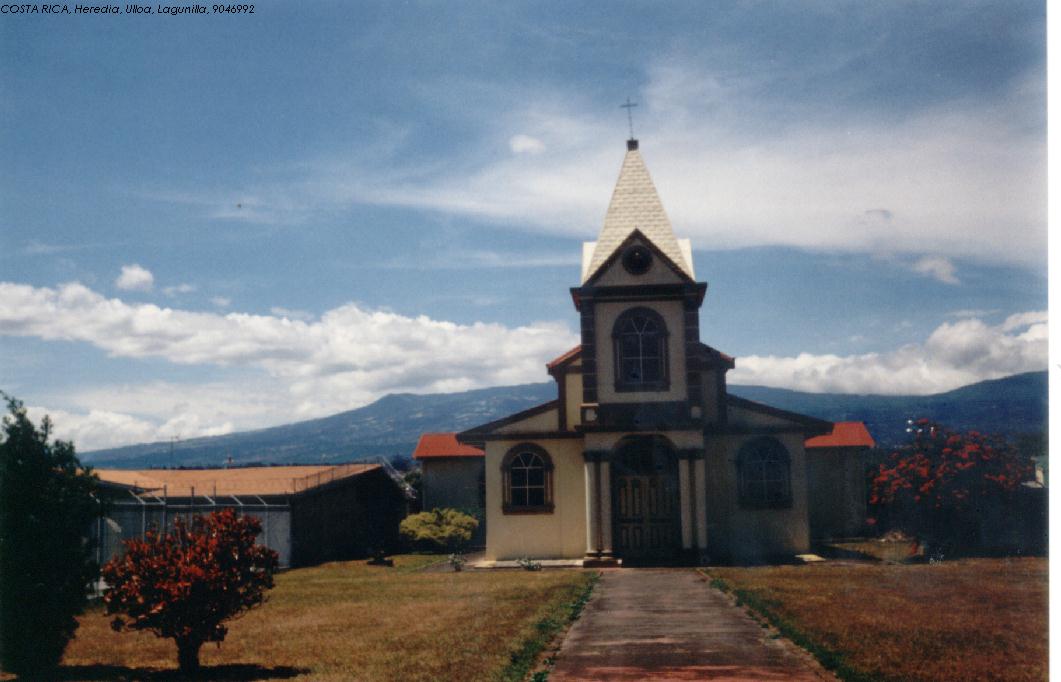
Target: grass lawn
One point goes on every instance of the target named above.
(971, 619)
(351, 621)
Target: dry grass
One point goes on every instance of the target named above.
(350, 621)
(973, 619)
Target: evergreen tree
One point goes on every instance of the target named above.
(46, 564)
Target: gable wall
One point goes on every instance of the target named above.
(616, 275)
(738, 416)
(545, 421)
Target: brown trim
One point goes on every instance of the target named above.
(561, 396)
(726, 430)
(526, 511)
(671, 415)
(721, 394)
(812, 423)
(468, 436)
(636, 235)
(693, 292)
(588, 322)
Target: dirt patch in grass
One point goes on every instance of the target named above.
(351, 621)
(972, 619)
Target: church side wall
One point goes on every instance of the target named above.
(560, 534)
(674, 316)
(740, 533)
(453, 482)
(836, 491)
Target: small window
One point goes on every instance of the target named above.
(764, 472)
(527, 475)
(640, 338)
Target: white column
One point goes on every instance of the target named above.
(685, 502)
(591, 508)
(700, 481)
(606, 508)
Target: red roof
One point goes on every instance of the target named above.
(844, 435)
(569, 355)
(443, 445)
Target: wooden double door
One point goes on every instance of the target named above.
(646, 506)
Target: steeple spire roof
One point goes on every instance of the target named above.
(635, 205)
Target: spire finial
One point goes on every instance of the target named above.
(629, 106)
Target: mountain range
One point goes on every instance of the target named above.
(1013, 406)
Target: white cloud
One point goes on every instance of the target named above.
(964, 180)
(525, 144)
(346, 358)
(955, 354)
(135, 278)
(183, 288)
(221, 301)
(937, 267)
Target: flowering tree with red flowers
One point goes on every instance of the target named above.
(937, 487)
(183, 584)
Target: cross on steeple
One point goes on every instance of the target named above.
(629, 106)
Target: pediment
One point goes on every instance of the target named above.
(662, 270)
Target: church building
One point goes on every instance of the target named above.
(644, 456)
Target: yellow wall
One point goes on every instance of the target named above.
(673, 317)
(561, 534)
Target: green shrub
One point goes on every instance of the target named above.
(438, 529)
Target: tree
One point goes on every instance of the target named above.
(442, 529)
(938, 487)
(46, 565)
(183, 584)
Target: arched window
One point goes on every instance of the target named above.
(764, 472)
(527, 477)
(640, 338)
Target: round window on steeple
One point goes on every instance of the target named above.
(637, 259)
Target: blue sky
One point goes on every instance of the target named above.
(222, 222)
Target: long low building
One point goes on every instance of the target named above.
(309, 514)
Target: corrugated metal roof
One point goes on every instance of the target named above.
(278, 480)
(844, 435)
(443, 445)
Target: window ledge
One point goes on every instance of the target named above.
(543, 509)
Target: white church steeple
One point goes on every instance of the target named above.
(635, 205)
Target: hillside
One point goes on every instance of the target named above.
(391, 425)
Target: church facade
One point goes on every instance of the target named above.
(644, 456)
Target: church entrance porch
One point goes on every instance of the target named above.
(646, 502)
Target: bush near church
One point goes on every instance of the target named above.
(185, 583)
(439, 529)
(942, 486)
(46, 566)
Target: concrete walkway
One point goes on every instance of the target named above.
(669, 624)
